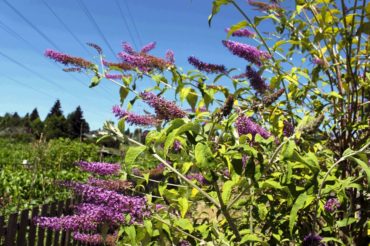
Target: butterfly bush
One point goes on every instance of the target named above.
(100, 168)
(222, 187)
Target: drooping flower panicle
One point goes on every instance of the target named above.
(256, 81)
(228, 105)
(68, 60)
(242, 33)
(96, 47)
(135, 119)
(170, 56)
(245, 125)
(100, 168)
(270, 99)
(148, 47)
(206, 67)
(288, 129)
(312, 240)
(249, 53)
(165, 110)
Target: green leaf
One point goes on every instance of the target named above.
(132, 153)
(216, 5)
(131, 233)
(226, 190)
(204, 156)
(184, 206)
(298, 204)
(123, 92)
(236, 27)
(364, 166)
(121, 125)
(288, 150)
(250, 238)
(329, 239)
(345, 222)
(149, 227)
(95, 81)
(184, 224)
(192, 98)
(365, 28)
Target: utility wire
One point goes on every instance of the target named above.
(133, 22)
(28, 86)
(67, 28)
(32, 25)
(126, 24)
(95, 24)
(9, 30)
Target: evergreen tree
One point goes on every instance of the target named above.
(76, 124)
(56, 110)
(55, 122)
(34, 114)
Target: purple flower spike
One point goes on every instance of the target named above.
(197, 177)
(128, 48)
(249, 53)
(96, 47)
(135, 119)
(241, 33)
(70, 222)
(114, 76)
(288, 129)
(170, 56)
(331, 205)
(206, 67)
(68, 60)
(148, 47)
(245, 125)
(95, 239)
(164, 109)
(100, 168)
(256, 81)
(312, 240)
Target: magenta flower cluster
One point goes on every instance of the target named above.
(312, 240)
(245, 125)
(68, 60)
(135, 119)
(197, 177)
(249, 53)
(148, 47)
(165, 110)
(206, 67)
(331, 205)
(100, 168)
(242, 33)
(256, 81)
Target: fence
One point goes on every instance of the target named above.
(19, 228)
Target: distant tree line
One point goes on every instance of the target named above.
(55, 125)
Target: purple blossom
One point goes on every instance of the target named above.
(135, 119)
(91, 239)
(69, 222)
(135, 206)
(164, 109)
(72, 69)
(312, 240)
(96, 47)
(245, 125)
(140, 62)
(159, 207)
(100, 213)
(100, 168)
(117, 185)
(239, 76)
(241, 33)
(184, 243)
(256, 81)
(68, 60)
(250, 53)
(206, 67)
(113, 76)
(331, 205)
(197, 177)
(170, 56)
(128, 48)
(148, 47)
(288, 129)
(176, 146)
(263, 6)
(319, 62)
(136, 171)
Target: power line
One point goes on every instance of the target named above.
(38, 51)
(91, 18)
(133, 23)
(126, 24)
(67, 28)
(32, 25)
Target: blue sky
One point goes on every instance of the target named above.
(30, 80)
